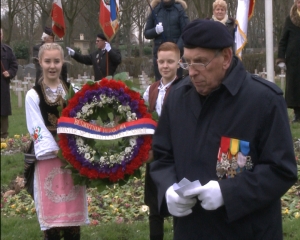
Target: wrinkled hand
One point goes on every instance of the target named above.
(179, 206)
(281, 64)
(210, 194)
(107, 46)
(159, 28)
(6, 74)
(71, 52)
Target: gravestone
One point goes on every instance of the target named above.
(29, 71)
(20, 72)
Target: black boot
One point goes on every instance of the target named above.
(52, 234)
(297, 114)
(156, 224)
(71, 233)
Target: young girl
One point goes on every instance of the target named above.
(61, 207)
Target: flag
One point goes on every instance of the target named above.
(58, 22)
(108, 17)
(244, 13)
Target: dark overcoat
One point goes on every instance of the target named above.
(173, 19)
(10, 64)
(104, 63)
(186, 144)
(289, 52)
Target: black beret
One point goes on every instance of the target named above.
(102, 36)
(206, 33)
(48, 31)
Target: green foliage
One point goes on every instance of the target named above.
(147, 51)
(21, 49)
(77, 49)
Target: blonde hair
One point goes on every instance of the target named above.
(50, 46)
(221, 3)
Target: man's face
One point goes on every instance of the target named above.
(206, 79)
(49, 39)
(100, 43)
(167, 62)
(298, 5)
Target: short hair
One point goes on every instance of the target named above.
(50, 46)
(221, 3)
(169, 46)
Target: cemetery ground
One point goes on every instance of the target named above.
(116, 213)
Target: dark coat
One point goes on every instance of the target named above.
(289, 52)
(38, 74)
(173, 19)
(186, 144)
(10, 64)
(99, 60)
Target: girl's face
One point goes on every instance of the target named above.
(219, 12)
(51, 62)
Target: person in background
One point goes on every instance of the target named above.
(9, 68)
(165, 24)
(168, 56)
(47, 37)
(61, 207)
(105, 59)
(288, 55)
(228, 131)
(220, 15)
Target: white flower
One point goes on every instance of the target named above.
(100, 104)
(92, 159)
(143, 209)
(102, 96)
(112, 157)
(85, 108)
(120, 108)
(91, 111)
(79, 141)
(129, 119)
(133, 115)
(132, 142)
(128, 114)
(87, 156)
(102, 159)
(128, 150)
(78, 115)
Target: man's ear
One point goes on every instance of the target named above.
(227, 54)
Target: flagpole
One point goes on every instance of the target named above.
(269, 40)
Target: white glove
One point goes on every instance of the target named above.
(71, 52)
(107, 46)
(281, 64)
(210, 194)
(179, 206)
(159, 28)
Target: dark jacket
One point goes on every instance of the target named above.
(186, 144)
(99, 61)
(173, 19)
(10, 64)
(289, 52)
(38, 74)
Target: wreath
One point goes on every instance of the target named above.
(104, 133)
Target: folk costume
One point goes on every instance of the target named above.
(155, 95)
(288, 52)
(59, 204)
(8, 63)
(173, 17)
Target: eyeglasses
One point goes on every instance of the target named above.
(200, 66)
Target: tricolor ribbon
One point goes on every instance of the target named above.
(143, 126)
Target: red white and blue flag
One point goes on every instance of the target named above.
(109, 17)
(244, 13)
(58, 22)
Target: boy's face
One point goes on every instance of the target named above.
(167, 64)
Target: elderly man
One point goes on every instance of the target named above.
(105, 59)
(9, 68)
(227, 132)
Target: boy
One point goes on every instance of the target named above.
(168, 56)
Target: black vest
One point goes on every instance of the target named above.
(48, 109)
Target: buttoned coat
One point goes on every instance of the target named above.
(104, 63)
(289, 52)
(10, 64)
(186, 145)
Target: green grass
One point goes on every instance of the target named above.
(16, 227)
